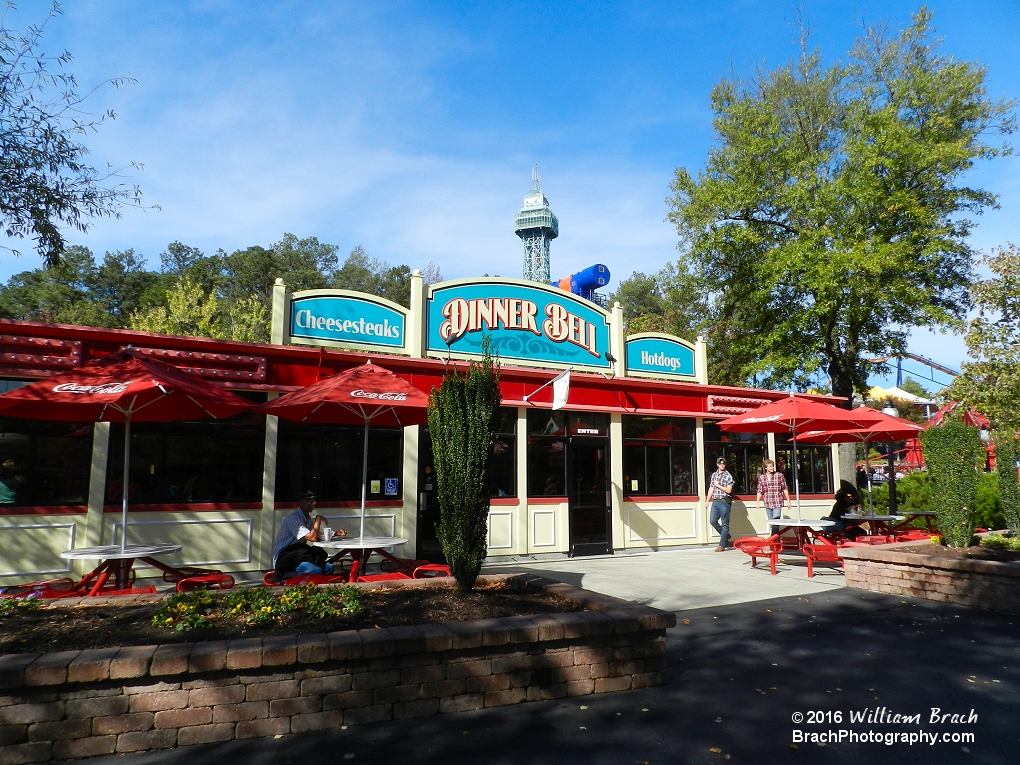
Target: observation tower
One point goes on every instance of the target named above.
(536, 225)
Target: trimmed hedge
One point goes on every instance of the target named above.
(953, 452)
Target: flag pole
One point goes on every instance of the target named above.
(557, 378)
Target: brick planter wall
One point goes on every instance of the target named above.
(980, 583)
(82, 703)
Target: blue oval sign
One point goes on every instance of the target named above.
(348, 320)
(527, 323)
(661, 356)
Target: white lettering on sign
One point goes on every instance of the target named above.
(661, 360)
(381, 396)
(480, 314)
(107, 389)
(305, 319)
(588, 431)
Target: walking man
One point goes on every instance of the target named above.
(720, 494)
(772, 488)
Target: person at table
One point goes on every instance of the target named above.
(12, 485)
(772, 491)
(720, 494)
(847, 501)
(292, 551)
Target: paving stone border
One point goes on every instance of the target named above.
(73, 704)
(886, 568)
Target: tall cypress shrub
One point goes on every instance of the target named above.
(953, 452)
(1009, 490)
(462, 412)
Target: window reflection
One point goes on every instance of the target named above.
(659, 456)
(44, 463)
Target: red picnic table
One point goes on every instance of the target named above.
(362, 548)
(117, 564)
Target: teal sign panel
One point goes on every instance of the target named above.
(343, 319)
(526, 324)
(660, 356)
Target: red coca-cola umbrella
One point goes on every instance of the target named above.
(361, 396)
(793, 415)
(883, 429)
(123, 387)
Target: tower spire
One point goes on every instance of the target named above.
(536, 225)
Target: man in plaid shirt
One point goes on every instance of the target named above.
(720, 494)
(772, 488)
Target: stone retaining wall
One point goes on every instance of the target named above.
(886, 568)
(83, 703)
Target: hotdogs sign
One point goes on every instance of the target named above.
(527, 322)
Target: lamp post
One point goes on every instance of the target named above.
(892, 412)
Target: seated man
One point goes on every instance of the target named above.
(292, 552)
(847, 501)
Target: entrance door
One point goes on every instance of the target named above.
(426, 544)
(588, 495)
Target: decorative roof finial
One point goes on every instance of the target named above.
(534, 177)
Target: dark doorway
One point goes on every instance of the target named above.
(588, 495)
(427, 545)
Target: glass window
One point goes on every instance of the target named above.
(190, 461)
(744, 454)
(502, 468)
(327, 460)
(814, 470)
(549, 434)
(44, 463)
(658, 456)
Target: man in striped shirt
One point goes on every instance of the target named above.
(772, 489)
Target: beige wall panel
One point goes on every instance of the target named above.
(746, 521)
(379, 522)
(208, 539)
(656, 525)
(31, 548)
(543, 528)
(500, 530)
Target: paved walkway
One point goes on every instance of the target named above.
(678, 580)
(739, 673)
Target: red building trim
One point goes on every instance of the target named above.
(282, 368)
(182, 507)
(43, 510)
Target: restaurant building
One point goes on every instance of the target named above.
(622, 466)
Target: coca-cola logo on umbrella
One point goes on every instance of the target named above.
(107, 389)
(381, 396)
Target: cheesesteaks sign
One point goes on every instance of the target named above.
(528, 322)
(338, 317)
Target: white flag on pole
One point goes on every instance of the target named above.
(561, 390)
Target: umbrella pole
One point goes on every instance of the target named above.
(124, 482)
(867, 469)
(364, 478)
(796, 472)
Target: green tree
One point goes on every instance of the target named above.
(910, 385)
(189, 311)
(46, 179)
(119, 285)
(62, 293)
(991, 380)
(376, 277)
(954, 455)
(832, 216)
(1008, 476)
(462, 413)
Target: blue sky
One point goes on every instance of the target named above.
(411, 128)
